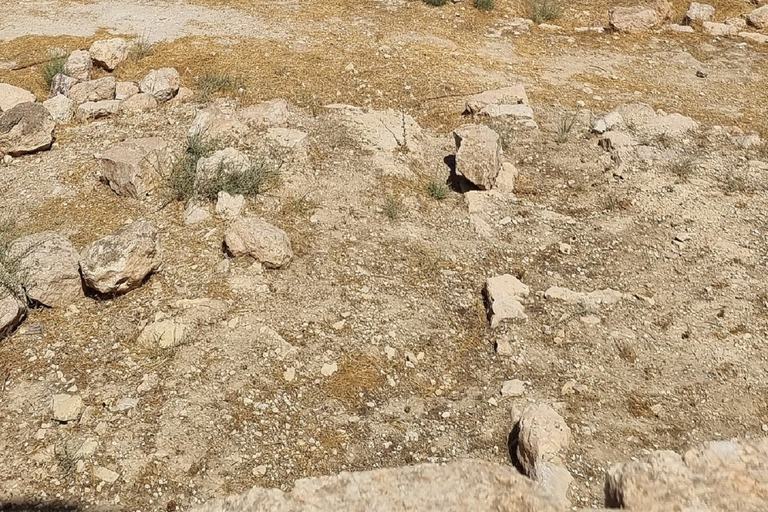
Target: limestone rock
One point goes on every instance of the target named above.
(109, 53)
(105, 475)
(718, 476)
(48, 264)
(124, 90)
(458, 486)
(79, 65)
(61, 108)
(674, 27)
(590, 300)
(608, 122)
(616, 141)
(634, 19)
(61, 84)
(519, 111)
(93, 90)
(512, 95)
(217, 122)
(759, 17)
(699, 12)
(754, 37)
(543, 433)
(12, 311)
(505, 181)
(163, 83)
(141, 102)
(513, 388)
(719, 29)
(478, 154)
(163, 334)
(97, 109)
(195, 214)
(134, 167)
(25, 128)
(10, 96)
(67, 408)
(122, 260)
(269, 113)
(260, 240)
(228, 206)
(503, 295)
(220, 163)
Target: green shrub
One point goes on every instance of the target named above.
(437, 189)
(212, 83)
(541, 11)
(141, 48)
(436, 3)
(485, 5)
(181, 182)
(248, 183)
(54, 65)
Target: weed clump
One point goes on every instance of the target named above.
(485, 5)
(217, 83)
(437, 189)
(54, 65)
(542, 11)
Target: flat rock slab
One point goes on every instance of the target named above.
(10, 96)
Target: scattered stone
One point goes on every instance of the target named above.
(124, 90)
(701, 73)
(719, 29)
(260, 240)
(462, 485)
(25, 128)
(754, 37)
(259, 471)
(184, 95)
(97, 109)
(122, 260)
(133, 168)
(10, 96)
(79, 65)
(505, 181)
(195, 214)
(513, 388)
(141, 102)
(736, 22)
(543, 434)
(106, 475)
(503, 295)
(747, 141)
(699, 12)
(329, 369)
(163, 334)
(616, 141)
(62, 84)
(759, 17)
(512, 95)
(163, 84)
(124, 404)
(67, 408)
(634, 19)
(13, 310)
(48, 264)
(590, 300)
(109, 53)
(290, 374)
(681, 28)
(61, 108)
(217, 122)
(478, 154)
(608, 122)
(93, 90)
(228, 206)
(269, 113)
(221, 163)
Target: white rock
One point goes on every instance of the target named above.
(106, 475)
(681, 28)
(217, 122)
(329, 369)
(513, 388)
(13, 309)
(719, 29)
(10, 96)
(507, 96)
(79, 65)
(754, 37)
(229, 207)
(519, 111)
(163, 334)
(478, 154)
(61, 84)
(24, 129)
(163, 83)
(260, 240)
(503, 295)
(109, 53)
(97, 109)
(93, 90)
(634, 19)
(505, 181)
(61, 108)
(759, 17)
(134, 168)
(699, 12)
(290, 374)
(141, 102)
(125, 90)
(543, 433)
(195, 214)
(67, 407)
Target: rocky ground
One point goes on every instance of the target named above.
(593, 251)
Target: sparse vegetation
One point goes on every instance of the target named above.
(682, 168)
(248, 183)
(181, 182)
(542, 11)
(564, 127)
(437, 188)
(215, 83)
(436, 3)
(10, 279)
(140, 49)
(54, 65)
(393, 207)
(485, 5)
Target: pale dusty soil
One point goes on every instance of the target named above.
(686, 367)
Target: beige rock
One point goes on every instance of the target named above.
(93, 90)
(478, 154)
(10, 96)
(195, 214)
(228, 206)
(719, 29)
(220, 163)
(13, 310)
(634, 19)
(135, 167)
(48, 264)
(759, 17)
(512, 95)
(616, 141)
(519, 111)
(543, 433)
(109, 53)
(25, 128)
(67, 408)
(505, 181)
(105, 475)
(96, 109)
(79, 65)
(61, 84)
(513, 388)
(141, 102)
(270, 113)
(163, 334)
(124, 90)
(754, 37)
(459, 486)
(61, 108)
(122, 260)
(260, 240)
(699, 12)
(503, 295)
(163, 83)
(217, 122)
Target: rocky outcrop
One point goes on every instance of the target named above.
(25, 128)
(134, 167)
(478, 154)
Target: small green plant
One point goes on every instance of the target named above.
(542, 11)
(10, 273)
(393, 207)
(140, 49)
(682, 168)
(57, 59)
(485, 5)
(181, 182)
(248, 182)
(213, 83)
(564, 127)
(436, 3)
(437, 188)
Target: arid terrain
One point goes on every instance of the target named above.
(373, 346)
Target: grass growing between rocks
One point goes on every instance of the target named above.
(437, 189)
(210, 84)
(54, 66)
(10, 278)
(181, 182)
(249, 182)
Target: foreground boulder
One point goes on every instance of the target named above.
(122, 260)
(79, 65)
(107, 54)
(461, 486)
(759, 17)
(61, 108)
(10, 96)
(133, 168)
(260, 240)
(25, 128)
(13, 309)
(48, 265)
(93, 90)
(478, 154)
(97, 109)
(718, 476)
(163, 83)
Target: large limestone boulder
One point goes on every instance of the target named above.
(109, 53)
(13, 309)
(93, 90)
(141, 102)
(634, 19)
(134, 167)
(163, 83)
(79, 65)
(262, 241)
(718, 476)
(49, 268)
(10, 96)
(61, 84)
(478, 154)
(759, 17)
(460, 486)
(61, 108)
(122, 260)
(25, 128)
(699, 12)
